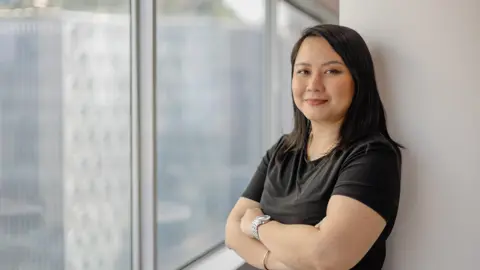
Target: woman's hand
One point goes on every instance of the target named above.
(318, 225)
(248, 218)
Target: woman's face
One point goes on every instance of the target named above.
(322, 85)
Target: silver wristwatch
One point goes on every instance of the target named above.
(260, 220)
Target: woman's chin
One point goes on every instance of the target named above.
(316, 117)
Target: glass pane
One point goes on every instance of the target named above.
(290, 24)
(64, 135)
(209, 106)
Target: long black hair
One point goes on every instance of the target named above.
(366, 115)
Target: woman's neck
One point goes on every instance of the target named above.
(326, 132)
(323, 138)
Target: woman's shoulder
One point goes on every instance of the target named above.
(282, 151)
(277, 145)
(280, 142)
(372, 145)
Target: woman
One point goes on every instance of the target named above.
(326, 195)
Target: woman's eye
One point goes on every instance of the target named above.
(332, 71)
(303, 72)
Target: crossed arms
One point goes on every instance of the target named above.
(338, 242)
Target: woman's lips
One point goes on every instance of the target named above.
(316, 102)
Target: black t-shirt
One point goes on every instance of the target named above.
(293, 190)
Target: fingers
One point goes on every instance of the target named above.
(319, 224)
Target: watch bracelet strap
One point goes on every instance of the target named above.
(256, 223)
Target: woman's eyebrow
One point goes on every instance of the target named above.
(331, 62)
(302, 64)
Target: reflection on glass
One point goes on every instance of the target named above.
(209, 108)
(64, 135)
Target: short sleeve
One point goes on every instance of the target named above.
(371, 175)
(254, 189)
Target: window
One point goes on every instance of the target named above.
(64, 144)
(209, 112)
(65, 125)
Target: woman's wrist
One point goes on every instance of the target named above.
(272, 263)
(265, 260)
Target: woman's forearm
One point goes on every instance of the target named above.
(295, 244)
(251, 250)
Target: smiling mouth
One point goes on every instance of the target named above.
(316, 102)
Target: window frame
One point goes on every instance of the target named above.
(143, 129)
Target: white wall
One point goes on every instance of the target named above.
(428, 67)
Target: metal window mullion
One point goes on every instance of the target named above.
(143, 41)
(134, 132)
(270, 104)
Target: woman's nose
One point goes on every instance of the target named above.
(315, 83)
